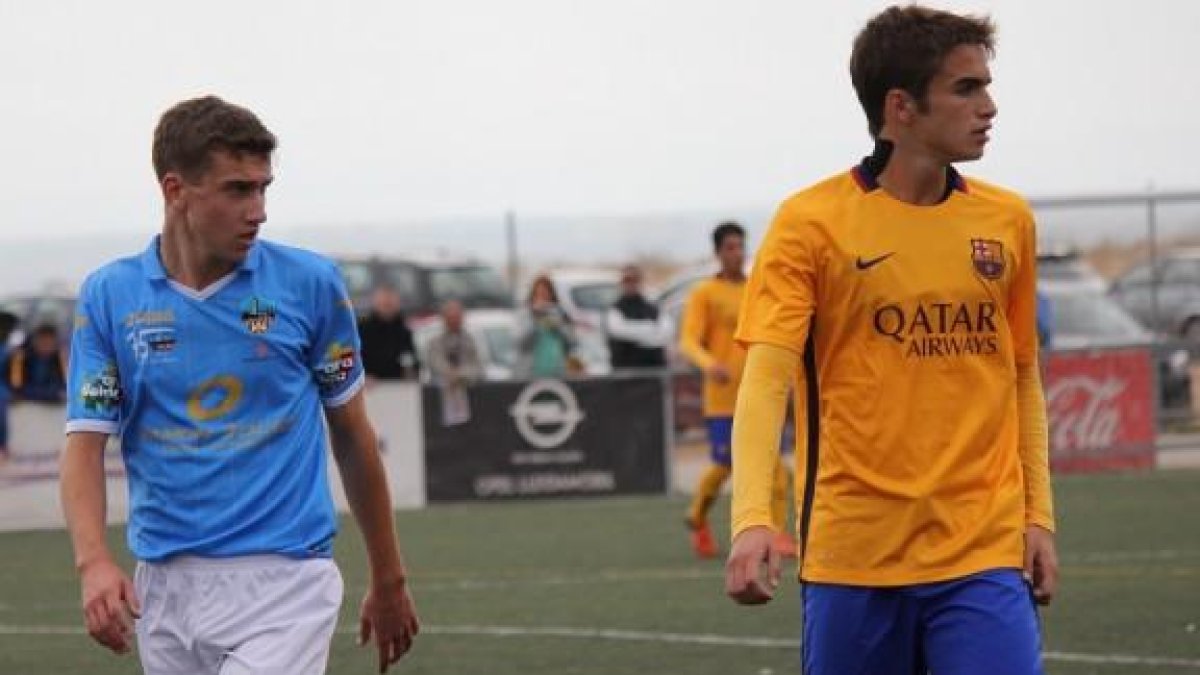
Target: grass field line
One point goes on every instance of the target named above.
(701, 639)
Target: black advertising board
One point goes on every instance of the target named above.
(547, 438)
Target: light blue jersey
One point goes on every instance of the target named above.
(217, 397)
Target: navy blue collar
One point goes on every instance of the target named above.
(867, 172)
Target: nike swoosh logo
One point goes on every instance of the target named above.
(868, 264)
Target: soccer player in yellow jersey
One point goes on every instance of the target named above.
(707, 340)
(899, 298)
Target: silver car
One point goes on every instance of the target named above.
(1177, 280)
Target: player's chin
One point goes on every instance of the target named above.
(973, 149)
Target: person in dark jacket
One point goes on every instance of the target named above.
(636, 336)
(37, 370)
(387, 343)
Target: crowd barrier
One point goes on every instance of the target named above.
(588, 437)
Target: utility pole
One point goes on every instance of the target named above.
(514, 265)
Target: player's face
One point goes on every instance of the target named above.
(732, 254)
(223, 209)
(958, 108)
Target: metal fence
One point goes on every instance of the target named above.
(1120, 232)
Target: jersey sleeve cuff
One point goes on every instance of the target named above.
(97, 426)
(768, 337)
(344, 397)
(1041, 520)
(756, 518)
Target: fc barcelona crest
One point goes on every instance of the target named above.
(988, 257)
(258, 314)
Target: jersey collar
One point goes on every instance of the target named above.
(153, 268)
(866, 173)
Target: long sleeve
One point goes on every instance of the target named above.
(1034, 447)
(691, 338)
(757, 424)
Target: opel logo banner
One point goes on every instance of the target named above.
(546, 413)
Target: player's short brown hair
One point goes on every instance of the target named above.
(903, 48)
(190, 131)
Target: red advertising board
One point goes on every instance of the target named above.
(1101, 409)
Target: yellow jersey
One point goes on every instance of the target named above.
(918, 318)
(707, 337)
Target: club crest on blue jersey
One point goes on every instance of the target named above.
(988, 257)
(101, 390)
(258, 314)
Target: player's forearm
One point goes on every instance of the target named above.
(757, 425)
(83, 494)
(696, 353)
(1034, 447)
(365, 483)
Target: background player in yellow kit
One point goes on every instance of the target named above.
(903, 295)
(706, 338)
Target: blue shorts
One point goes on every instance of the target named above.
(720, 439)
(983, 624)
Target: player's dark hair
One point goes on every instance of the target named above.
(903, 48)
(189, 132)
(726, 229)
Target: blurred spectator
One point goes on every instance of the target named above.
(453, 355)
(8, 322)
(454, 365)
(37, 370)
(636, 336)
(387, 343)
(545, 337)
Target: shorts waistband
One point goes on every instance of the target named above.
(240, 562)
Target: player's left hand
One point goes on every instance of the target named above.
(1041, 563)
(389, 615)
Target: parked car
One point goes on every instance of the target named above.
(1085, 317)
(424, 283)
(1176, 276)
(54, 307)
(494, 332)
(1059, 263)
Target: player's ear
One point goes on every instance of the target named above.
(899, 106)
(171, 185)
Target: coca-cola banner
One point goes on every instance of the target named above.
(1101, 409)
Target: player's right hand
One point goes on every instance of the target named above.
(110, 604)
(750, 552)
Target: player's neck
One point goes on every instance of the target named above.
(914, 177)
(185, 264)
(736, 276)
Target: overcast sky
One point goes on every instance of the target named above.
(394, 112)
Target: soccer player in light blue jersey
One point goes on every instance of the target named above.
(212, 356)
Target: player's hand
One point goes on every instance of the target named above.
(1041, 563)
(718, 373)
(388, 614)
(750, 551)
(110, 604)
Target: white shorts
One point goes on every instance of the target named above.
(264, 615)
